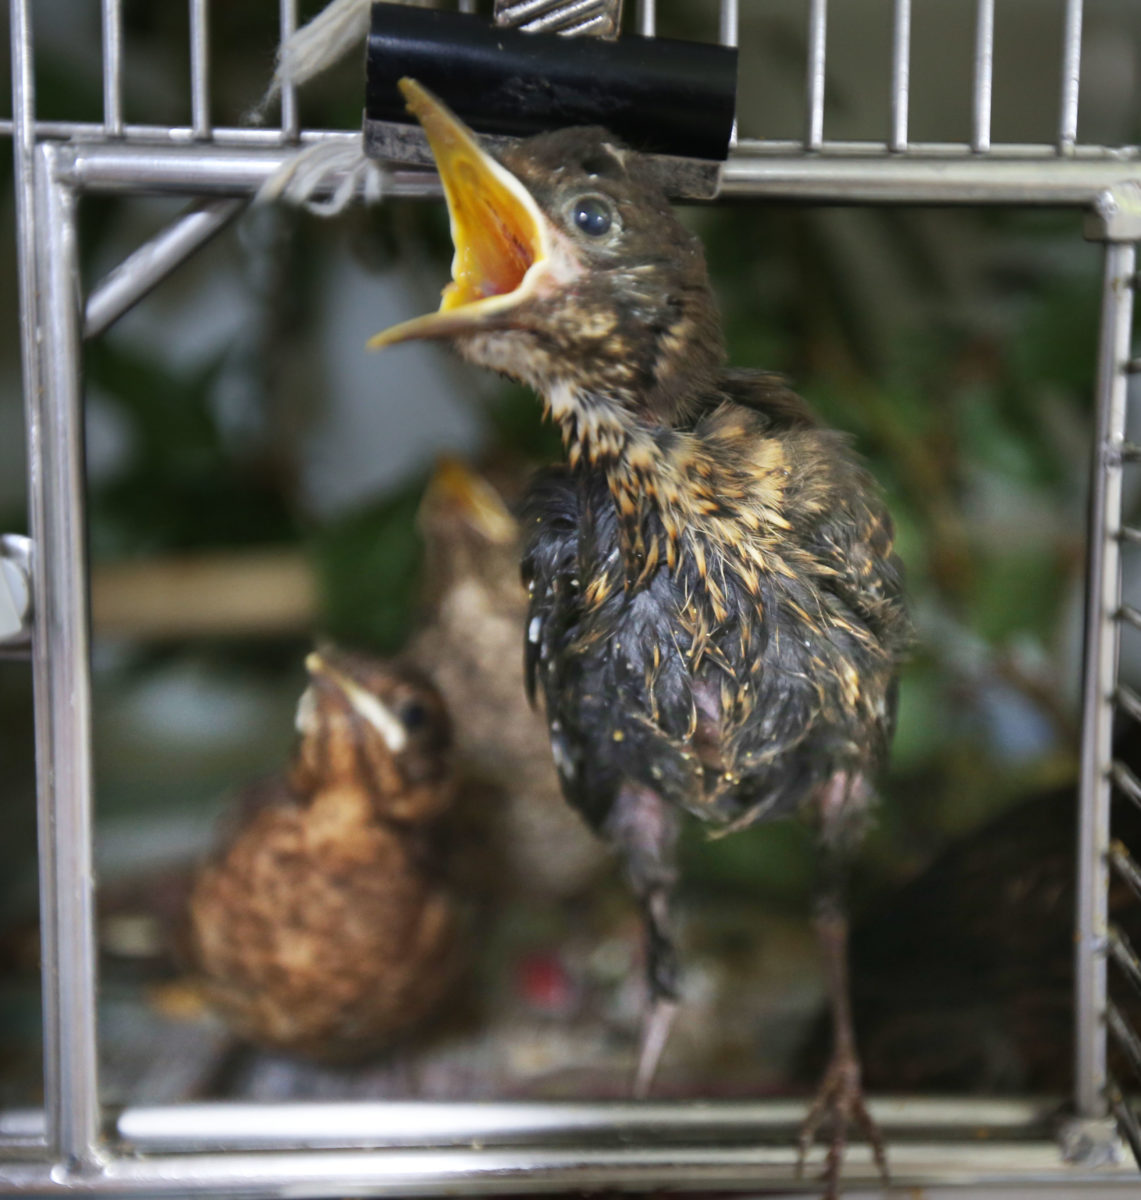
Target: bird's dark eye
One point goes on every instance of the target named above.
(414, 715)
(592, 215)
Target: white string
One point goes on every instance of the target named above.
(316, 46)
(340, 164)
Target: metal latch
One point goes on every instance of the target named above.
(600, 18)
(15, 589)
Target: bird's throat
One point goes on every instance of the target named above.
(604, 437)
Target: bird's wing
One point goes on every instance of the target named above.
(846, 527)
(550, 558)
(854, 535)
(762, 392)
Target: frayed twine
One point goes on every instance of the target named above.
(315, 47)
(319, 44)
(340, 165)
(314, 170)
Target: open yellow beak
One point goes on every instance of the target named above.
(457, 490)
(499, 233)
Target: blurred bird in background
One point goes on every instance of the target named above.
(321, 925)
(963, 979)
(468, 645)
(716, 617)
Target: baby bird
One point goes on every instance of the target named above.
(716, 616)
(319, 926)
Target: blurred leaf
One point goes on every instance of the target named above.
(182, 488)
(368, 566)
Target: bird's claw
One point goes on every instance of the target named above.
(840, 1099)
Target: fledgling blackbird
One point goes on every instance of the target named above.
(716, 615)
(320, 926)
(468, 645)
(964, 977)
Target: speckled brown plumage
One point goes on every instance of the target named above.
(716, 617)
(320, 926)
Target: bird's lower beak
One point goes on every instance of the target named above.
(500, 234)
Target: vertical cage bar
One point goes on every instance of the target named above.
(1071, 77)
(900, 73)
(983, 77)
(61, 665)
(200, 68)
(23, 148)
(647, 17)
(817, 43)
(730, 35)
(113, 68)
(290, 121)
(1101, 645)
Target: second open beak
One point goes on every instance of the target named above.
(500, 235)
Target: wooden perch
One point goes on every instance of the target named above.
(259, 592)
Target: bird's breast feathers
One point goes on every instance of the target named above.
(716, 612)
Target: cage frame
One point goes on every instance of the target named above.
(996, 1148)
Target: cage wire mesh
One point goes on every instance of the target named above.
(334, 1149)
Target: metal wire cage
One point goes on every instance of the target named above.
(994, 1148)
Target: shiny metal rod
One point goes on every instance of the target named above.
(1101, 648)
(729, 25)
(113, 67)
(290, 117)
(983, 77)
(817, 52)
(909, 179)
(142, 271)
(964, 1170)
(1071, 77)
(243, 1126)
(246, 1126)
(900, 73)
(873, 177)
(23, 147)
(647, 17)
(200, 68)
(63, 685)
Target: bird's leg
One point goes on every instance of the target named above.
(644, 831)
(841, 1097)
(662, 974)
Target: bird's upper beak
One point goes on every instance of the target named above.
(503, 242)
(364, 703)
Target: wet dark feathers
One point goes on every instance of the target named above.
(730, 648)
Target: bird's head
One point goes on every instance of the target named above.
(571, 272)
(469, 534)
(374, 725)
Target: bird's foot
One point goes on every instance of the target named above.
(840, 1101)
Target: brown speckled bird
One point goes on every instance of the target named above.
(319, 926)
(716, 616)
(468, 645)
